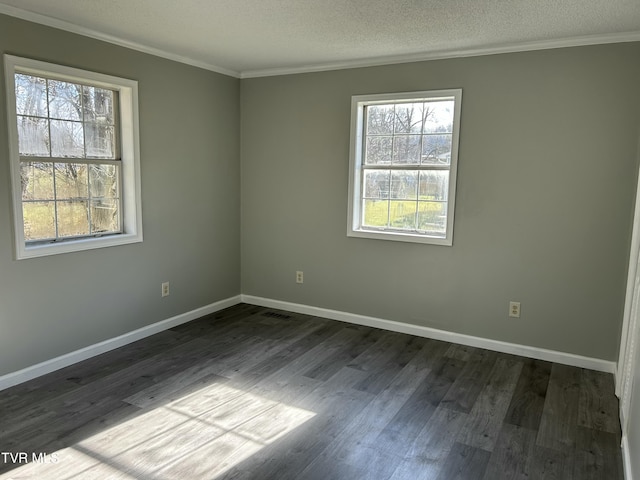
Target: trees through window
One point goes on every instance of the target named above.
(74, 157)
(403, 166)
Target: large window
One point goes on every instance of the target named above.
(74, 158)
(404, 150)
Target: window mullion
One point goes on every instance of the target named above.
(85, 161)
(89, 199)
(389, 202)
(120, 200)
(363, 149)
(55, 199)
(53, 164)
(84, 150)
(416, 167)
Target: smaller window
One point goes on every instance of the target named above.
(404, 154)
(74, 158)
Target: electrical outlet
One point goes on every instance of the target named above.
(299, 277)
(165, 289)
(514, 309)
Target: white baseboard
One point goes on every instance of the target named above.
(62, 361)
(495, 345)
(626, 459)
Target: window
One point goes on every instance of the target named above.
(73, 142)
(404, 150)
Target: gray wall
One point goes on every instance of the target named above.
(546, 184)
(189, 141)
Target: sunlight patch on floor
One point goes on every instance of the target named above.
(201, 435)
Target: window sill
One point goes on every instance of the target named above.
(43, 250)
(401, 237)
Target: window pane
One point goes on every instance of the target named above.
(378, 150)
(404, 185)
(402, 214)
(37, 181)
(380, 119)
(409, 118)
(100, 141)
(98, 105)
(439, 117)
(432, 217)
(67, 139)
(104, 216)
(31, 95)
(39, 220)
(406, 149)
(376, 213)
(33, 136)
(103, 181)
(436, 149)
(71, 181)
(73, 218)
(434, 185)
(376, 183)
(65, 101)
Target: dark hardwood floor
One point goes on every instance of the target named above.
(253, 393)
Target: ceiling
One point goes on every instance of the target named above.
(246, 38)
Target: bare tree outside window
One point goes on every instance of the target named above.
(69, 162)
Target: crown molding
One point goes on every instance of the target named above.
(87, 32)
(586, 40)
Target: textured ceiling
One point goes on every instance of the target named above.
(259, 37)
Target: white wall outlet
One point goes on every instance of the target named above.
(299, 277)
(165, 289)
(514, 309)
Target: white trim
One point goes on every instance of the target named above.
(626, 459)
(629, 296)
(62, 361)
(489, 344)
(369, 62)
(65, 360)
(87, 32)
(630, 327)
(446, 54)
(357, 165)
(128, 122)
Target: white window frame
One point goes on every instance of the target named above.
(127, 91)
(358, 124)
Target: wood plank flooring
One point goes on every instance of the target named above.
(254, 393)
